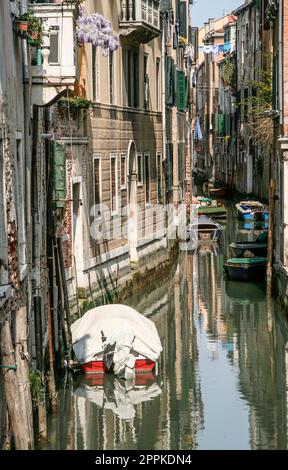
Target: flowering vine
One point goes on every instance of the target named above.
(95, 29)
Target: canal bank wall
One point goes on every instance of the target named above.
(114, 279)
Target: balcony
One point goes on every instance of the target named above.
(54, 63)
(140, 20)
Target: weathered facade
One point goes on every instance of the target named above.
(206, 151)
(134, 154)
(16, 273)
(276, 19)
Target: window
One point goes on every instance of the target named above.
(54, 46)
(182, 18)
(131, 78)
(147, 177)
(159, 177)
(111, 77)
(123, 170)
(146, 82)
(158, 87)
(97, 184)
(140, 168)
(95, 74)
(113, 185)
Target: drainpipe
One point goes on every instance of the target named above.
(280, 79)
(163, 96)
(27, 118)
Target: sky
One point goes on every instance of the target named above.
(204, 9)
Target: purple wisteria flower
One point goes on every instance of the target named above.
(97, 30)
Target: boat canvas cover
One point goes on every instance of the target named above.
(121, 325)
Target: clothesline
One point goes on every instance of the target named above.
(218, 49)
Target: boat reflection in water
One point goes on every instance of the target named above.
(223, 380)
(110, 393)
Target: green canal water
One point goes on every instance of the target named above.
(223, 377)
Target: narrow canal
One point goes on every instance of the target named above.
(223, 380)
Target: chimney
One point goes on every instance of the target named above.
(211, 24)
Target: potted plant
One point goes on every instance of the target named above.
(75, 103)
(28, 26)
(34, 30)
(182, 42)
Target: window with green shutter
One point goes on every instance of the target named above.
(59, 175)
(220, 124)
(181, 91)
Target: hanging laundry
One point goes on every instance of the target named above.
(198, 132)
(176, 36)
(207, 49)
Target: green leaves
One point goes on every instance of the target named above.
(229, 73)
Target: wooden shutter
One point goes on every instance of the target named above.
(182, 18)
(59, 175)
(181, 90)
(220, 124)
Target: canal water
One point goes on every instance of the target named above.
(223, 378)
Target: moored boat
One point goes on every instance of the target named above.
(244, 212)
(115, 338)
(219, 192)
(204, 229)
(246, 269)
(257, 248)
(252, 210)
(211, 208)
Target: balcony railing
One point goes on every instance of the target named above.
(140, 20)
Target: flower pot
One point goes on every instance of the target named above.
(34, 35)
(22, 25)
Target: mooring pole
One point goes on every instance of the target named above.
(269, 273)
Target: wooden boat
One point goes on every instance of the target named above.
(219, 192)
(246, 269)
(252, 210)
(205, 230)
(211, 208)
(257, 248)
(115, 338)
(244, 212)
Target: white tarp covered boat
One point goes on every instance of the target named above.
(115, 337)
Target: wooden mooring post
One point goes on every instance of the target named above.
(269, 273)
(22, 363)
(16, 411)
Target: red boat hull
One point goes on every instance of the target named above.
(99, 367)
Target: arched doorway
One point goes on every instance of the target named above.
(132, 202)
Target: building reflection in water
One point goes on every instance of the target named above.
(208, 325)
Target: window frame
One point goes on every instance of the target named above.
(116, 211)
(140, 183)
(95, 74)
(97, 156)
(159, 183)
(123, 186)
(111, 82)
(158, 102)
(55, 32)
(147, 154)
